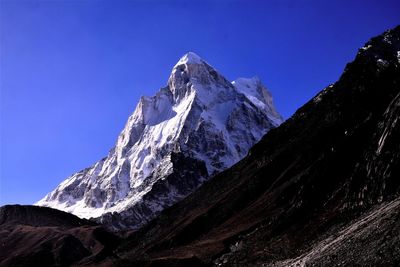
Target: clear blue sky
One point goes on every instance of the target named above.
(72, 71)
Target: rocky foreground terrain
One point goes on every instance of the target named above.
(322, 189)
(40, 236)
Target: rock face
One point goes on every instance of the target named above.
(322, 189)
(195, 127)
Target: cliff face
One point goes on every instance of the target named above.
(195, 127)
(313, 191)
(322, 189)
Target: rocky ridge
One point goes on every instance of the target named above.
(192, 129)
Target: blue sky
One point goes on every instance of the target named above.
(72, 71)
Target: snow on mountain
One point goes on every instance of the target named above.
(257, 93)
(195, 127)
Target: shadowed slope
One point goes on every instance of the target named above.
(39, 236)
(321, 190)
(337, 157)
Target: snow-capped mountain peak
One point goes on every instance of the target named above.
(195, 127)
(189, 58)
(192, 73)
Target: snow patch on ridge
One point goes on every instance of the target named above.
(256, 92)
(199, 114)
(189, 58)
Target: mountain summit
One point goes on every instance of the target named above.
(322, 189)
(192, 129)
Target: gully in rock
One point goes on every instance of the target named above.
(199, 121)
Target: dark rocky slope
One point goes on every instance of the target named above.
(305, 189)
(320, 190)
(39, 236)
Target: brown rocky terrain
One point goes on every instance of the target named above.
(322, 189)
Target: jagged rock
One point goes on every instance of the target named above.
(200, 118)
(322, 189)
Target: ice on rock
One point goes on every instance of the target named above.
(198, 119)
(259, 95)
(189, 58)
